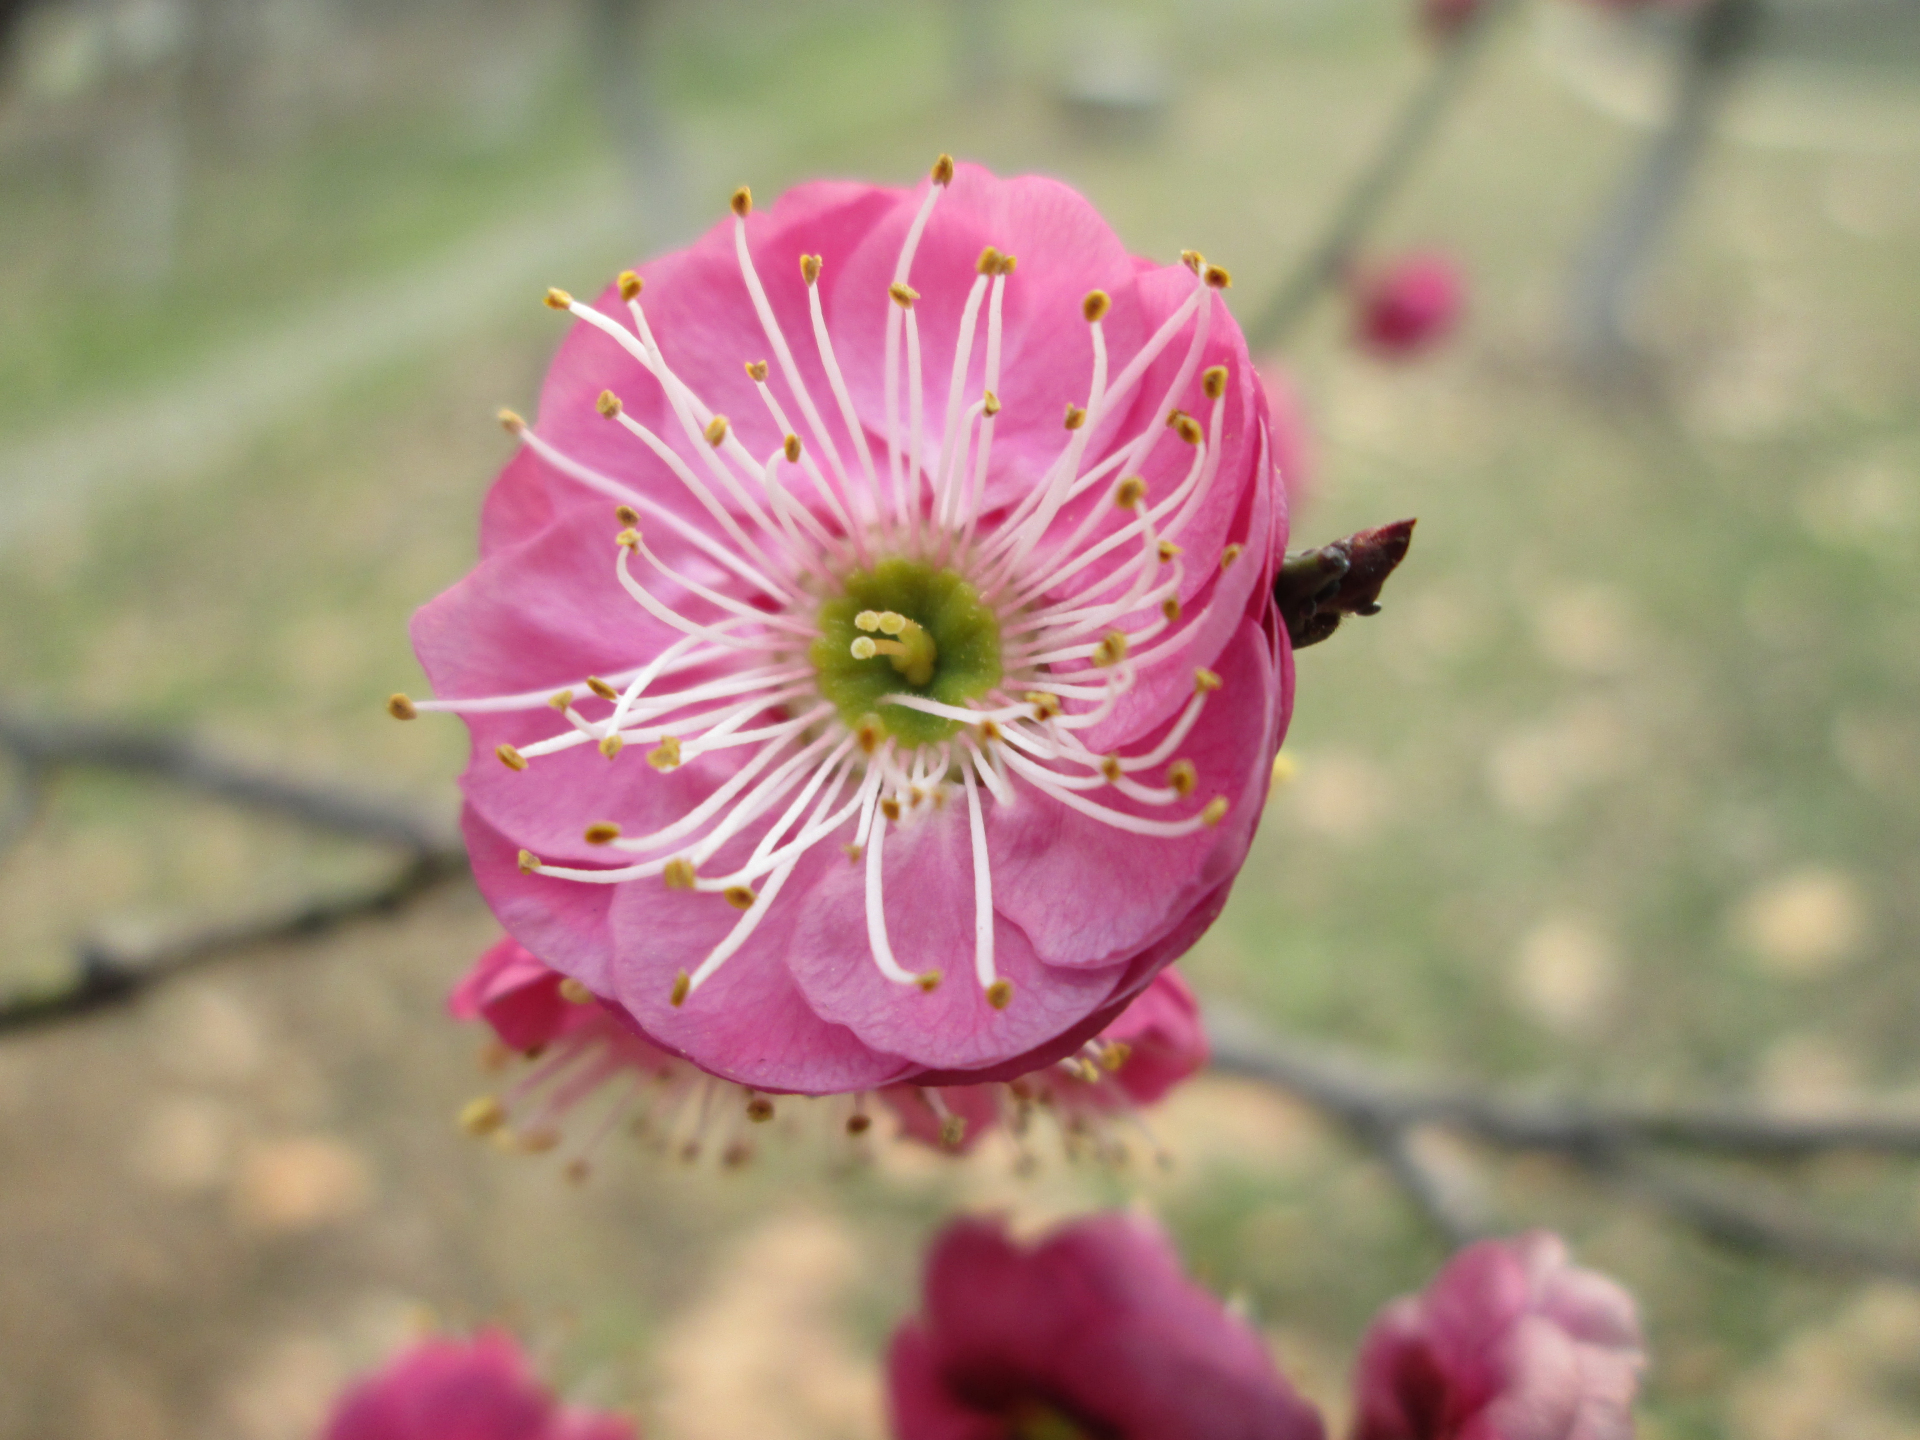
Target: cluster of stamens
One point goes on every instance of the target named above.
(870, 651)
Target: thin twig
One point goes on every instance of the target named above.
(106, 974)
(1609, 1143)
(1405, 141)
(47, 745)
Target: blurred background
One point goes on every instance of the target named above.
(1620, 794)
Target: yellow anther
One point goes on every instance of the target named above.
(1170, 607)
(528, 862)
(628, 539)
(626, 515)
(1110, 767)
(1218, 277)
(1167, 551)
(1094, 308)
(1045, 706)
(511, 422)
(681, 985)
(890, 808)
(989, 261)
(1283, 771)
(482, 1116)
(859, 1124)
(892, 622)
(1182, 777)
(612, 746)
(630, 285)
(868, 620)
(1111, 650)
(1205, 681)
(989, 731)
(576, 1171)
(1230, 554)
(602, 832)
(1076, 417)
(853, 853)
(608, 404)
(868, 734)
(942, 171)
(903, 294)
(509, 757)
(537, 1142)
(1213, 381)
(792, 449)
(665, 755)
(914, 797)
(1173, 419)
(1000, 994)
(1130, 492)
(742, 202)
(864, 648)
(759, 1109)
(1188, 429)
(1193, 260)
(716, 431)
(810, 268)
(400, 707)
(1006, 264)
(602, 688)
(953, 1130)
(989, 403)
(928, 981)
(574, 992)
(756, 370)
(1215, 812)
(1114, 1054)
(559, 300)
(679, 874)
(560, 699)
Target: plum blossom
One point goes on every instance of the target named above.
(478, 1389)
(1156, 1043)
(1093, 1332)
(1511, 1341)
(585, 1053)
(870, 665)
(1408, 305)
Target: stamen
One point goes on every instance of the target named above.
(400, 707)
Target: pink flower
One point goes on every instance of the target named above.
(1445, 17)
(479, 1389)
(1156, 1043)
(921, 708)
(1510, 1342)
(1409, 305)
(1093, 1332)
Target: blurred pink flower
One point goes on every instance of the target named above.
(1408, 305)
(1511, 1341)
(931, 685)
(479, 1389)
(1444, 17)
(1095, 1331)
(1155, 1044)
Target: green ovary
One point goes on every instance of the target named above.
(953, 642)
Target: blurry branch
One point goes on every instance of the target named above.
(43, 746)
(105, 972)
(1720, 37)
(1406, 140)
(1620, 1145)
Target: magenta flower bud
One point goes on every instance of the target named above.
(1511, 1341)
(479, 1389)
(1409, 305)
(871, 666)
(1094, 1331)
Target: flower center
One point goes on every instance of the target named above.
(905, 627)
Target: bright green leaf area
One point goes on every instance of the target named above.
(965, 635)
